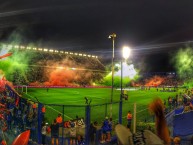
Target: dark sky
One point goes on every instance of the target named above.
(147, 26)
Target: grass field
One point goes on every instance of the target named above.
(75, 97)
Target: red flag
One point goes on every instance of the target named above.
(6, 55)
(22, 139)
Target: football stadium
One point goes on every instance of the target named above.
(76, 89)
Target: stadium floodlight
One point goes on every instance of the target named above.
(66, 52)
(76, 53)
(93, 56)
(28, 48)
(16, 46)
(61, 51)
(51, 50)
(112, 37)
(125, 54)
(84, 55)
(40, 49)
(45, 49)
(80, 54)
(22, 47)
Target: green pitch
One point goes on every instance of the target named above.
(97, 96)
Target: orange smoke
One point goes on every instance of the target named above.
(60, 77)
(64, 73)
(154, 81)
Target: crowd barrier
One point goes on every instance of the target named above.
(89, 113)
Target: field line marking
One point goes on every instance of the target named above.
(51, 108)
(59, 112)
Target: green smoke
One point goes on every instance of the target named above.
(19, 60)
(183, 61)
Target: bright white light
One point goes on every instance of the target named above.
(128, 71)
(126, 52)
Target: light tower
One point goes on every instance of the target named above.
(112, 37)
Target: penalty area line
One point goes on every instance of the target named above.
(52, 108)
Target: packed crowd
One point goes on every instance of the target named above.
(159, 81)
(35, 73)
(18, 114)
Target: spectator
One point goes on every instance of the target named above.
(80, 140)
(109, 130)
(129, 119)
(54, 132)
(72, 133)
(177, 140)
(105, 130)
(33, 131)
(34, 106)
(59, 119)
(44, 130)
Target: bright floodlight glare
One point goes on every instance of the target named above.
(126, 52)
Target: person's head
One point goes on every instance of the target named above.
(106, 118)
(79, 138)
(177, 140)
(95, 123)
(72, 124)
(59, 115)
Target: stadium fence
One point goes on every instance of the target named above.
(84, 116)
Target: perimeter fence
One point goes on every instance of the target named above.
(31, 114)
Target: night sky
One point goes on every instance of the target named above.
(154, 29)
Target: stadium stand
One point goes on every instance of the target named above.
(41, 64)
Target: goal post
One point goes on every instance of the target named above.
(24, 88)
